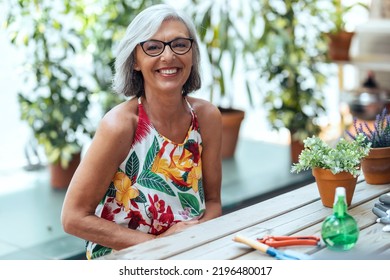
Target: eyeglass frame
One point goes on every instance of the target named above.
(166, 44)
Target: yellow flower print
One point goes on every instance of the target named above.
(163, 167)
(124, 190)
(174, 167)
(183, 162)
(89, 255)
(194, 176)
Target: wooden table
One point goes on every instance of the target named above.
(298, 212)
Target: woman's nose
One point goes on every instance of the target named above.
(167, 54)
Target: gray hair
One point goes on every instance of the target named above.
(129, 82)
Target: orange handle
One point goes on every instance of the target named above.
(280, 241)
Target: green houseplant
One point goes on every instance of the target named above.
(54, 100)
(333, 166)
(289, 54)
(376, 165)
(60, 38)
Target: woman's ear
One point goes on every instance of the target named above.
(136, 67)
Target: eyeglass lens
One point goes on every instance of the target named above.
(155, 47)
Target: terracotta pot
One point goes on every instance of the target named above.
(60, 177)
(327, 183)
(231, 123)
(295, 150)
(339, 45)
(376, 166)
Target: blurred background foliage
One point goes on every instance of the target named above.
(68, 48)
(68, 62)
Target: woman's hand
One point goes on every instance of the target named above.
(180, 226)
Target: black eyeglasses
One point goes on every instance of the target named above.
(179, 46)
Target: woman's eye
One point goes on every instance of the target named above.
(152, 47)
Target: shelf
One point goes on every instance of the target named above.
(372, 62)
(372, 46)
(381, 26)
(369, 62)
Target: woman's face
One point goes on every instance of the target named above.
(168, 71)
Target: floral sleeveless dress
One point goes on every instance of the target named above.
(158, 184)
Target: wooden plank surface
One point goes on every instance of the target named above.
(162, 248)
(294, 222)
(299, 212)
(361, 209)
(370, 242)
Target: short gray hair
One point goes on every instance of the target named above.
(129, 82)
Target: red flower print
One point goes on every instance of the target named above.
(167, 217)
(195, 150)
(156, 206)
(135, 219)
(158, 228)
(107, 213)
(143, 127)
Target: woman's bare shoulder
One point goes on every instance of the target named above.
(203, 108)
(121, 119)
(209, 117)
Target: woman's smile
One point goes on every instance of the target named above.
(168, 71)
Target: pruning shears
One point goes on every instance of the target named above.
(281, 241)
(278, 254)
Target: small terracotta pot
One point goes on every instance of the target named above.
(231, 123)
(327, 182)
(60, 177)
(339, 45)
(376, 166)
(295, 150)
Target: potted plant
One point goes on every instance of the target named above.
(289, 54)
(53, 98)
(57, 106)
(376, 165)
(333, 166)
(339, 36)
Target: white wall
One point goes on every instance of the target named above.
(14, 133)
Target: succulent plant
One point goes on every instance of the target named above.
(344, 157)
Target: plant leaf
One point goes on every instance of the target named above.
(153, 150)
(151, 180)
(190, 201)
(132, 166)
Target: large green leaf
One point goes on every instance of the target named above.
(189, 201)
(111, 192)
(150, 156)
(100, 251)
(151, 180)
(141, 198)
(201, 190)
(132, 165)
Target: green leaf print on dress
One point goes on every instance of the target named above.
(141, 198)
(99, 251)
(151, 180)
(189, 201)
(150, 156)
(132, 166)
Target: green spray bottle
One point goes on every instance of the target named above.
(340, 231)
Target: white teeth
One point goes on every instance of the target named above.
(168, 71)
